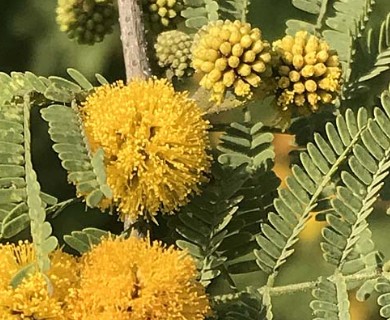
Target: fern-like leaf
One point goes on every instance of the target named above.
(295, 203)
(44, 243)
(248, 144)
(383, 288)
(53, 88)
(85, 171)
(376, 54)
(202, 225)
(331, 299)
(233, 9)
(354, 200)
(199, 12)
(14, 216)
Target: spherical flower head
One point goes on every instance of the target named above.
(133, 279)
(231, 56)
(308, 72)
(173, 51)
(30, 300)
(155, 142)
(38, 296)
(164, 12)
(86, 21)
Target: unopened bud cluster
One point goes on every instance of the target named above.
(231, 55)
(164, 11)
(308, 73)
(86, 21)
(173, 51)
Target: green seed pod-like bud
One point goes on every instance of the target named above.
(173, 53)
(86, 21)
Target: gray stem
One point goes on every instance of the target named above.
(133, 40)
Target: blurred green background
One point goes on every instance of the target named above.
(31, 41)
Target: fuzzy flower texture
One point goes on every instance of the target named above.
(33, 298)
(231, 56)
(135, 280)
(309, 73)
(155, 142)
(118, 279)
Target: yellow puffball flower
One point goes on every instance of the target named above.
(239, 54)
(313, 70)
(130, 278)
(35, 297)
(30, 300)
(155, 142)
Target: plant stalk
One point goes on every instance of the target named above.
(133, 40)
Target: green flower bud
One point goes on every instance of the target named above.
(173, 53)
(86, 22)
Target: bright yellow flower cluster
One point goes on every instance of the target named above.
(133, 279)
(231, 55)
(155, 142)
(309, 72)
(173, 51)
(164, 11)
(35, 297)
(119, 279)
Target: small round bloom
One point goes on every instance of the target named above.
(308, 73)
(164, 12)
(230, 55)
(155, 142)
(173, 52)
(38, 296)
(86, 21)
(133, 279)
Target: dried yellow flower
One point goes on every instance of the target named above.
(230, 55)
(155, 142)
(133, 279)
(309, 73)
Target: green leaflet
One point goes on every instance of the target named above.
(200, 12)
(248, 144)
(383, 288)
(14, 216)
(376, 54)
(331, 299)
(368, 166)
(44, 243)
(85, 171)
(82, 241)
(304, 189)
(204, 223)
(53, 88)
